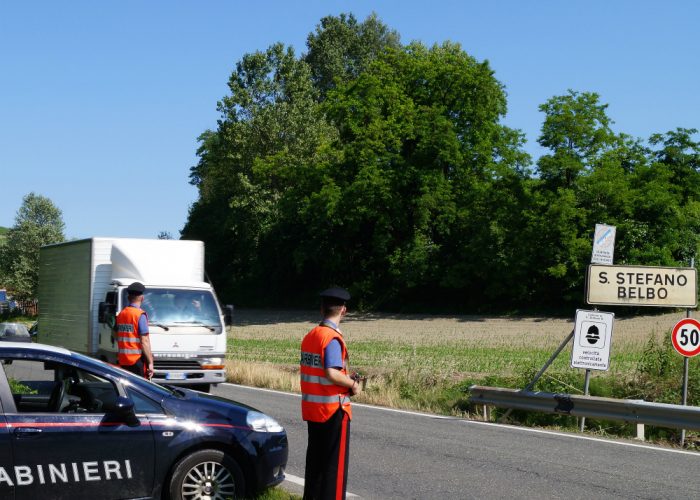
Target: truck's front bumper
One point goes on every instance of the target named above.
(188, 377)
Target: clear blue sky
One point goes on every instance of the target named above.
(101, 102)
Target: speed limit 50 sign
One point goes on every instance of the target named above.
(686, 337)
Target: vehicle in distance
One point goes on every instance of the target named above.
(83, 285)
(14, 332)
(75, 427)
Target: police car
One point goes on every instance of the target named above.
(75, 427)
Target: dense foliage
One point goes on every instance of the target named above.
(386, 168)
(38, 222)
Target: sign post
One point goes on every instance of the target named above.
(603, 251)
(686, 340)
(608, 284)
(592, 339)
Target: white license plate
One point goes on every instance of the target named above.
(175, 376)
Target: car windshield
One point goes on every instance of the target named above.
(13, 330)
(172, 307)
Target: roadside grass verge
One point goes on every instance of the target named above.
(277, 494)
(427, 363)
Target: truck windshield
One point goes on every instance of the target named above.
(172, 307)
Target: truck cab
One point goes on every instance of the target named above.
(187, 330)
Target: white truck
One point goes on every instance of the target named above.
(82, 285)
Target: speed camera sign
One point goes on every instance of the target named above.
(686, 337)
(592, 339)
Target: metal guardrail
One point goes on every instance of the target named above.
(627, 410)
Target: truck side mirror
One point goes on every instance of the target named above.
(106, 313)
(228, 314)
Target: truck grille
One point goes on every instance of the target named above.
(176, 364)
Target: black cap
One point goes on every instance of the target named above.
(136, 288)
(336, 293)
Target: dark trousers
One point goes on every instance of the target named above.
(326, 474)
(136, 368)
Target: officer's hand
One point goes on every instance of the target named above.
(149, 371)
(356, 389)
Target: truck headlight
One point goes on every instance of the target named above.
(262, 423)
(212, 364)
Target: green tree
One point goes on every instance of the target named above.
(424, 163)
(342, 48)
(270, 125)
(580, 182)
(593, 175)
(678, 151)
(577, 131)
(365, 163)
(386, 168)
(668, 201)
(38, 222)
(3, 237)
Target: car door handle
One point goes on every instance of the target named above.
(27, 432)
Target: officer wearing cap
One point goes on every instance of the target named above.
(133, 343)
(326, 387)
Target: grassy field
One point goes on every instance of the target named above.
(426, 362)
(460, 347)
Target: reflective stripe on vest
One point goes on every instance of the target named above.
(315, 379)
(326, 399)
(321, 398)
(130, 351)
(128, 340)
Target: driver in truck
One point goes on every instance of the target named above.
(133, 343)
(187, 308)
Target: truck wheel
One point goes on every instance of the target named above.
(207, 474)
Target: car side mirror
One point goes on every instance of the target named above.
(106, 313)
(228, 314)
(121, 408)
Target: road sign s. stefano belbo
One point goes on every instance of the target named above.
(603, 244)
(592, 339)
(642, 286)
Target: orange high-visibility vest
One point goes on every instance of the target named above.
(128, 338)
(321, 398)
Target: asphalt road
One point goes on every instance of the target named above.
(406, 455)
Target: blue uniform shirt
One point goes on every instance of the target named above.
(143, 322)
(333, 355)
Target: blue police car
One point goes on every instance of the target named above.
(73, 427)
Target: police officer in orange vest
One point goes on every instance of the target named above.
(326, 388)
(133, 343)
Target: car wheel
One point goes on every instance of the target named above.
(207, 475)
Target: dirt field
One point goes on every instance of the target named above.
(629, 334)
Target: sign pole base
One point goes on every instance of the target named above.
(586, 384)
(685, 394)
